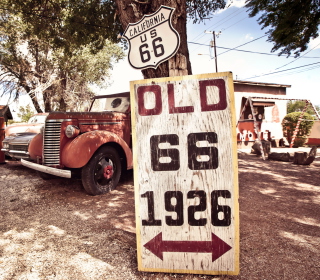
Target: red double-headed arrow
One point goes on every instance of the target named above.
(217, 247)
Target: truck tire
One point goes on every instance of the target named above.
(102, 173)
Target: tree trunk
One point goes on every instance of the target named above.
(61, 91)
(266, 146)
(132, 11)
(62, 105)
(47, 101)
(34, 100)
(279, 156)
(300, 158)
(31, 93)
(313, 151)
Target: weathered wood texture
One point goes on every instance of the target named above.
(185, 170)
(303, 158)
(178, 66)
(313, 151)
(279, 156)
(300, 157)
(264, 145)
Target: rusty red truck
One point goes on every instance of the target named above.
(97, 143)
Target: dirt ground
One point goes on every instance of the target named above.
(54, 230)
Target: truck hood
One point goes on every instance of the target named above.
(25, 127)
(106, 115)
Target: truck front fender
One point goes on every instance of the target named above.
(35, 147)
(78, 151)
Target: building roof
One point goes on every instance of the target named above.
(5, 112)
(260, 84)
(255, 87)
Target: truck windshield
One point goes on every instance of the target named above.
(116, 103)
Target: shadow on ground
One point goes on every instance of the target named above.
(54, 230)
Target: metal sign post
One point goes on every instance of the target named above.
(185, 174)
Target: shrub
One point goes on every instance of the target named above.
(289, 125)
(25, 113)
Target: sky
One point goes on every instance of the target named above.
(237, 29)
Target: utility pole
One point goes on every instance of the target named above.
(214, 45)
(215, 50)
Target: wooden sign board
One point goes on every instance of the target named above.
(185, 174)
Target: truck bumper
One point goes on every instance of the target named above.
(47, 169)
(16, 154)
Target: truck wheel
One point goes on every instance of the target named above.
(102, 173)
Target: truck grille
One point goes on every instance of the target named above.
(51, 142)
(19, 147)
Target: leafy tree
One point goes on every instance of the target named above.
(289, 124)
(25, 113)
(44, 67)
(292, 23)
(70, 24)
(298, 106)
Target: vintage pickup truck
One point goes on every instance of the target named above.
(97, 142)
(18, 136)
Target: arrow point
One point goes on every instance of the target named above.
(155, 246)
(219, 247)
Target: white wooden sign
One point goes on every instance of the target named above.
(185, 174)
(152, 40)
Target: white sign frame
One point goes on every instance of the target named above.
(152, 40)
(186, 202)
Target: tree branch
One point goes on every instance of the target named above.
(145, 3)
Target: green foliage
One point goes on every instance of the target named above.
(298, 106)
(199, 10)
(289, 124)
(25, 113)
(69, 24)
(47, 47)
(11, 122)
(292, 23)
(40, 56)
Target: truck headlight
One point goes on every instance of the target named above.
(72, 131)
(5, 145)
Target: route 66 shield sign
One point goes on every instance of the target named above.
(152, 40)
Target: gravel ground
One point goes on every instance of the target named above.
(54, 230)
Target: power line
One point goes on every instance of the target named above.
(211, 27)
(273, 54)
(240, 12)
(223, 29)
(297, 58)
(216, 24)
(299, 71)
(242, 45)
(281, 71)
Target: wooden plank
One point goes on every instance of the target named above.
(185, 174)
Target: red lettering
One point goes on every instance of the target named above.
(156, 90)
(172, 108)
(222, 104)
